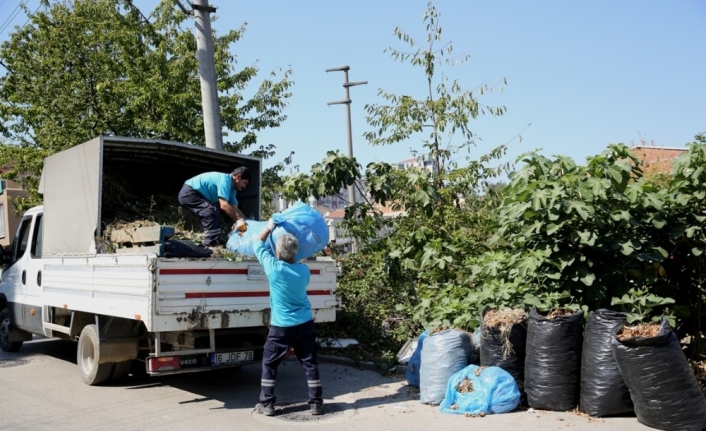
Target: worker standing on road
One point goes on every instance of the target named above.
(292, 322)
(208, 193)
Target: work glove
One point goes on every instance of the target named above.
(241, 225)
(271, 225)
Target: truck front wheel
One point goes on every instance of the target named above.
(88, 356)
(5, 324)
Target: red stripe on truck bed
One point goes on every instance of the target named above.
(243, 294)
(214, 271)
(202, 271)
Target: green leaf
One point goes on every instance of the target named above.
(627, 248)
(659, 223)
(588, 237)
(691, 230)
(533, 301)
(632, 318)
(552, 228)
(588, 279)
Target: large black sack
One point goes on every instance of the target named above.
(662, 386)
(443, 354)
(495, 353)
(553, 361)
(603, 391)
(185, 248)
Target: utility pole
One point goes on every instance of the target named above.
(347, 102)
(207, 73)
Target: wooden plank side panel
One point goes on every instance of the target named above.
(137, 235)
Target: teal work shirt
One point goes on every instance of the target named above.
(288, 281)
(214, 185)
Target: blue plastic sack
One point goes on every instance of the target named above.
(415, 362)
(494, 391)
(305, 223)
(443, 354)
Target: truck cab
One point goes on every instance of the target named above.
(20, 312)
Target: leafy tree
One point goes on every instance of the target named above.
(593, 236)
(444, 219)
(584, 232)
(82, 68)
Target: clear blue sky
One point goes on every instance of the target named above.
(584, 74)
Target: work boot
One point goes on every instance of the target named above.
(267, 409)
(317, 409)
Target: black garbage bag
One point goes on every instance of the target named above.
(475, 347)
(553, 361)
(443, 354)
(185, 248)
(662, 386)
(506, 352)
(603, 391)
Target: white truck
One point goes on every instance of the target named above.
(136, 306)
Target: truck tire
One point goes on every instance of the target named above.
(88, 355)
(5, 324)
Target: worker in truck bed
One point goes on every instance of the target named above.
(292, 322)
(207, 194)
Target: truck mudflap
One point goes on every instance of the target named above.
(189, 363)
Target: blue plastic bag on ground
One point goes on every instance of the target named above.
(415, 362)
(475, 390)
(304, 222)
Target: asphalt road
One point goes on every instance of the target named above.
(40, 389)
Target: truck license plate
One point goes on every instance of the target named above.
(231, 358)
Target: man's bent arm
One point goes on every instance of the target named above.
(232, 211)
(263, 235)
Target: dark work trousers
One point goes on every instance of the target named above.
(209, 213)
(279, 341)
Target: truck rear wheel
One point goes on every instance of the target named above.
(88, 355)
(5, 344)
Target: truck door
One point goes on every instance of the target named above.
(33, 283)
(14, 277)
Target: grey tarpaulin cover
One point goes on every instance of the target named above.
(662, 386)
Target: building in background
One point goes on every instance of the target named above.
(340, 200)
(657, 160)
(9, 191)
(429, 165)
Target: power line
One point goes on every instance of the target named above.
(11, 17)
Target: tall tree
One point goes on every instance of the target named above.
(81, 68)
(443, 221)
